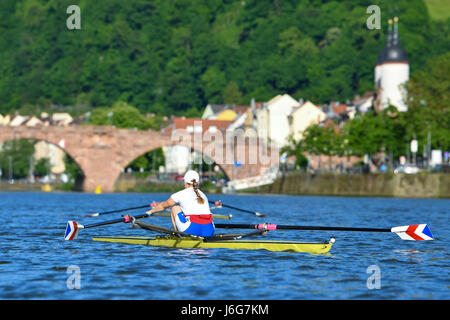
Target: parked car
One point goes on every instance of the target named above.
(407, 168)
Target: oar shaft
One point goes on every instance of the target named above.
(123, 219)
(332, 228)
(126, 209)
(117, 211)
(231, 207)
(287, 227)
(239, 209)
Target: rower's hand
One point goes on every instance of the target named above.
(149, 212)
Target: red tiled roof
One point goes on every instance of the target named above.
(243, 109)
(240, 109)
(183, 123)
(341, 108)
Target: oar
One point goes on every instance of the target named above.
(412, 232)
(153, 204)
(73, 227)
(96, 214)
(220, 204)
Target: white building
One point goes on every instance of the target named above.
(18, 120)
(273, 119)
(63, 119)
(304, 116)
(177, 158)
(33, 122)
(55, 154)
(392, 71)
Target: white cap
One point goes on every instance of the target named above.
(191, 175)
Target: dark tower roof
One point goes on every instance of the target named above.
(393, 51)
(382, 53)
(396, 53)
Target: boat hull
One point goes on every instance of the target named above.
(174, 242)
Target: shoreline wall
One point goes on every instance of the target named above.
(434, 185)
(133, 183)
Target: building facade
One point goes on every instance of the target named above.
(304, 116)
(273, 119)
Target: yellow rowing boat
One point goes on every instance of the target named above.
(194, 242)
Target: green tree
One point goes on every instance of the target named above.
(213, 81)
(122, 115)
(149, 161)
(323, 141)
(75, 174)
(231, 94)
(16, 155)
(297, 149)
(372, 133)
(153, 54)
(42, 167)
(429, 103)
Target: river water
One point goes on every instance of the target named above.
(36, 263)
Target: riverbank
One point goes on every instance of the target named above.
(426, 185)
(36, 187)
(20, 186)
(136, 183)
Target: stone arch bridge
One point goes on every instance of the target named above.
(102, 152)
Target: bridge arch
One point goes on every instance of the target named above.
(103, 151)
(44, 138)
(188, 151)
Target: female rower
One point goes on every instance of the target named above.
(192, 214)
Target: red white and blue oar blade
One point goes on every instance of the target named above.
(72, 230)
(415, 232)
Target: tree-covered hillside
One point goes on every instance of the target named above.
(168, 56)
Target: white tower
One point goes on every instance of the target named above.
(382, 56)
(392, 71)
